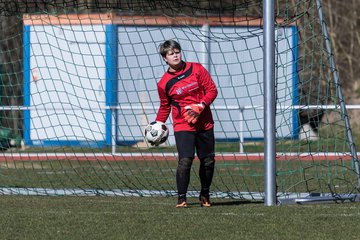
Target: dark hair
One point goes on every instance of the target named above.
(168, 45)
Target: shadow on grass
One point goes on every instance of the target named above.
(235, 202)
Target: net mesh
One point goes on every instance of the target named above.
(78, 86)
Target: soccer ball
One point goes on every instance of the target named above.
(156, 133)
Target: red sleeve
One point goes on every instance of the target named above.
(209, 86)
(165, 108)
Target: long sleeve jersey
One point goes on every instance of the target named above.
(192, 85)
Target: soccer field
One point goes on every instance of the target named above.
(80, 83)
(157, 218)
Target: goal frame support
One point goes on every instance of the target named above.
(269, 113)
(338, 90)
(269, 103)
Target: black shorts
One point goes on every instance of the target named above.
(202, 141)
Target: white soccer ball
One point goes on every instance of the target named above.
(156, 133)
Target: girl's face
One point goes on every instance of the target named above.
(173, 58)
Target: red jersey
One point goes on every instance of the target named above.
(192, 85)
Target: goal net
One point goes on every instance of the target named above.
(78, 87)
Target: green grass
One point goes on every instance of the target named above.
(73, 217)
(156, 218)
(235, 176)
(230, 176)
(282, 145)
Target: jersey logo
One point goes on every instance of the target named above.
(179, 91)
(189, 87)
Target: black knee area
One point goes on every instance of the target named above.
(208, 162)
(185, 163)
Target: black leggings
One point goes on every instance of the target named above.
(204, 144)
(206, 173)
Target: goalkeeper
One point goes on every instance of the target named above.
(187, 90)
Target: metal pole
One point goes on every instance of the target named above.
(113, 130)
(241, 147)
(205, 30)
(338, 90)
(269, 102)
